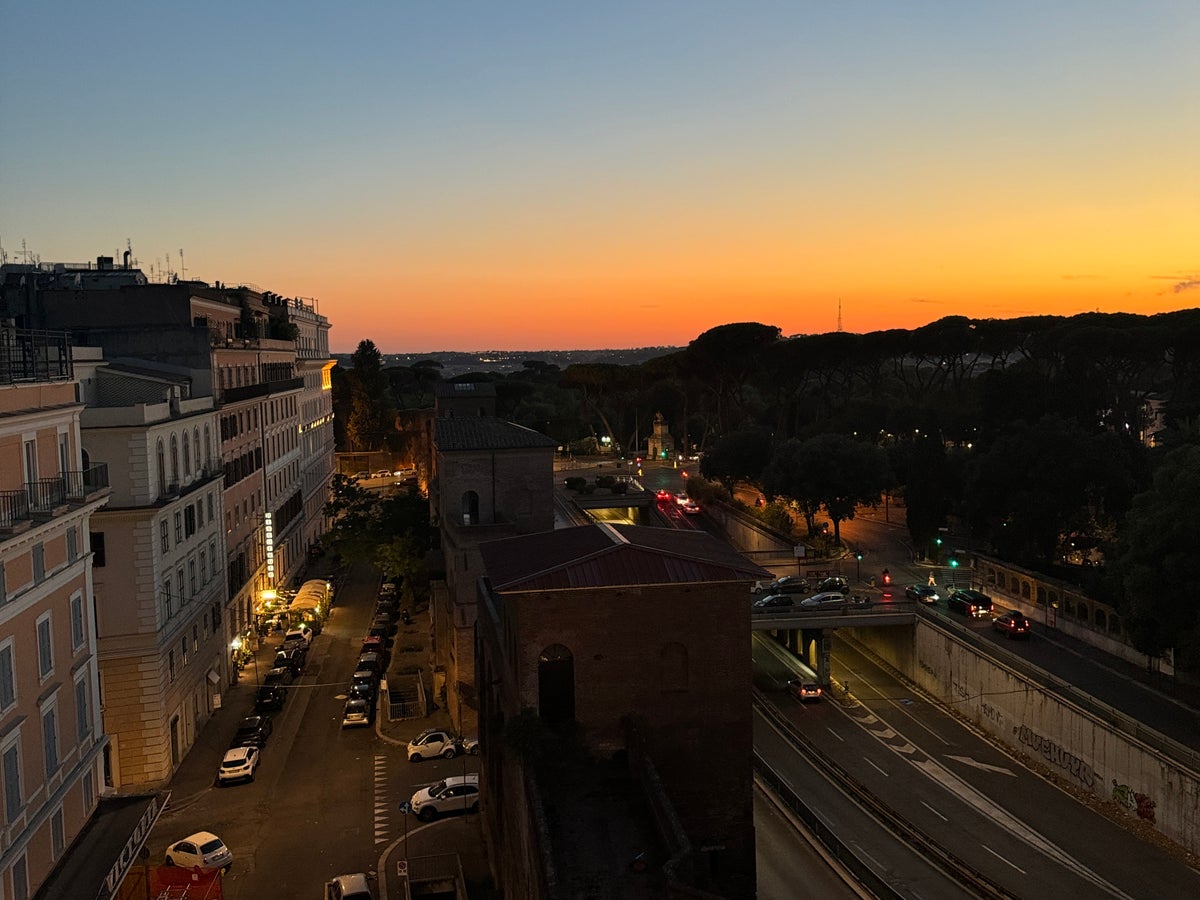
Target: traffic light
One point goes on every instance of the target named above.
(938, 541)
(858, 556)
(953, 563)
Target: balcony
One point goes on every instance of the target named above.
(262, 389)
(31, 356)
(46, 498)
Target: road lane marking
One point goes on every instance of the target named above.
(1002, 859)
(934, 811)
(835, 734)
(876, 768)
(982, 766)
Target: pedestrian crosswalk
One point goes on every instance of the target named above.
(382, 806)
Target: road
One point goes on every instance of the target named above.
(969, 795)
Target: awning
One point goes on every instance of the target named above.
(105, 850)
(304, 603)
(213, 677)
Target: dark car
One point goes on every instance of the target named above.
(270, 696)
(381, 632)
(388, 611)
(372, 644)
(371, 662)
(832, 584)
(362, 690)
(291, 659)
(281, 676)
(1012, 624)
(364, 681)
(252, 731)
(384, 621)
(922, 593)
(972, 602)
(788, 584)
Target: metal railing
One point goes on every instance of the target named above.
(28, 355)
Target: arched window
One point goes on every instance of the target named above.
(1114, 623)
(673, 667)
(174, 459)
(207, 448)
(470, 508)
(160, 457)
(187, 455)
(1025, 590)
(556, 684)
(196, 448)
(1101, 620)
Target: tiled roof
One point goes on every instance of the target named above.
(486, 433)
(610, 556)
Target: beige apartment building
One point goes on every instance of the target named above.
(158, 571)
(51, 740)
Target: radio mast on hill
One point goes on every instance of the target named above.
(839, 315)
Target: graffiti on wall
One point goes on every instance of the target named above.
(1057, 755)
(1127, 798)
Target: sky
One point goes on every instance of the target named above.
(548, 175)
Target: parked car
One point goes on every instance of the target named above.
(1013, 624)
(470, 745)
(372, 643)
(833, 583)
(361, 475)
(823, 600)
(774, 601)
(433, 742)
(270, 696)
(252, 731)
(365, 681)
(381, 631)
(357, 712)
(291, 659)
(281, 676)
(303, 633)
(239, 764)
(349, 887)
(358, 691)
(453, 794)
(371, 662)
(805, 691)
(387, 590)
(382, 473)
(972, 602)
(788, 584)
(202, 850)
(922, 593)
(384, 621)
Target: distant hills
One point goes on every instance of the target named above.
(458, 362)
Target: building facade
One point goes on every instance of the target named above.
(51, 740)
(159, 573)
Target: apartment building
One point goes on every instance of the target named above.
(51, 740)
(159, 574)
(259, 356)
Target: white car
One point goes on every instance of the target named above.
(303, 634)
(202, 850)
(433, 742)
(348, 887)
(454, 794)
(238, 764)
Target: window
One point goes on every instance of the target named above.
(3, 585)
(8, 681)
(195, 637)
(183, 649)
(210, 506)
(45, 647)
(31, 466)
(189, 520)
(178, 527)
(83, 711)
(20, 879)
(191, 578)
(89, 793)
(50, 738)
(183, 598)
(160, 458)
(164, 536)
(171, 665)
(199, 513)
(13, 799)
(187, 455)
(174, 460)
(39, 562)
(72, 544)
(96, 538)
(64, 454)
(77, 633)
(57, 839)
(168, 600)
(212, 557)
(203, 568)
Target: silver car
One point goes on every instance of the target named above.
(823, 600)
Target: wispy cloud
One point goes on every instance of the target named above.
(1188, 285)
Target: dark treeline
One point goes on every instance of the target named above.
(1030, 435)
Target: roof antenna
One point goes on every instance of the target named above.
(839, 315)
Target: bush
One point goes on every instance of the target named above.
(576, 483)
(605, 481)
(620, 487)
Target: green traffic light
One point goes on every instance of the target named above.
(938, 541)
(954, 563)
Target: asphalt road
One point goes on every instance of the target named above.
(959, 789)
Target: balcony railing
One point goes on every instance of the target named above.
(28, 355)
(44, 497)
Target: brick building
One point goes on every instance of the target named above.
(629, 644)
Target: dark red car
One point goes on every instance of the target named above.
(1012, 624)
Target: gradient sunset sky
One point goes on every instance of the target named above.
(451, 175)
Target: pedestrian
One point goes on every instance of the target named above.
(932, 583)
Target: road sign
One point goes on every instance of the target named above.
(405, 807)
(402, 868)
